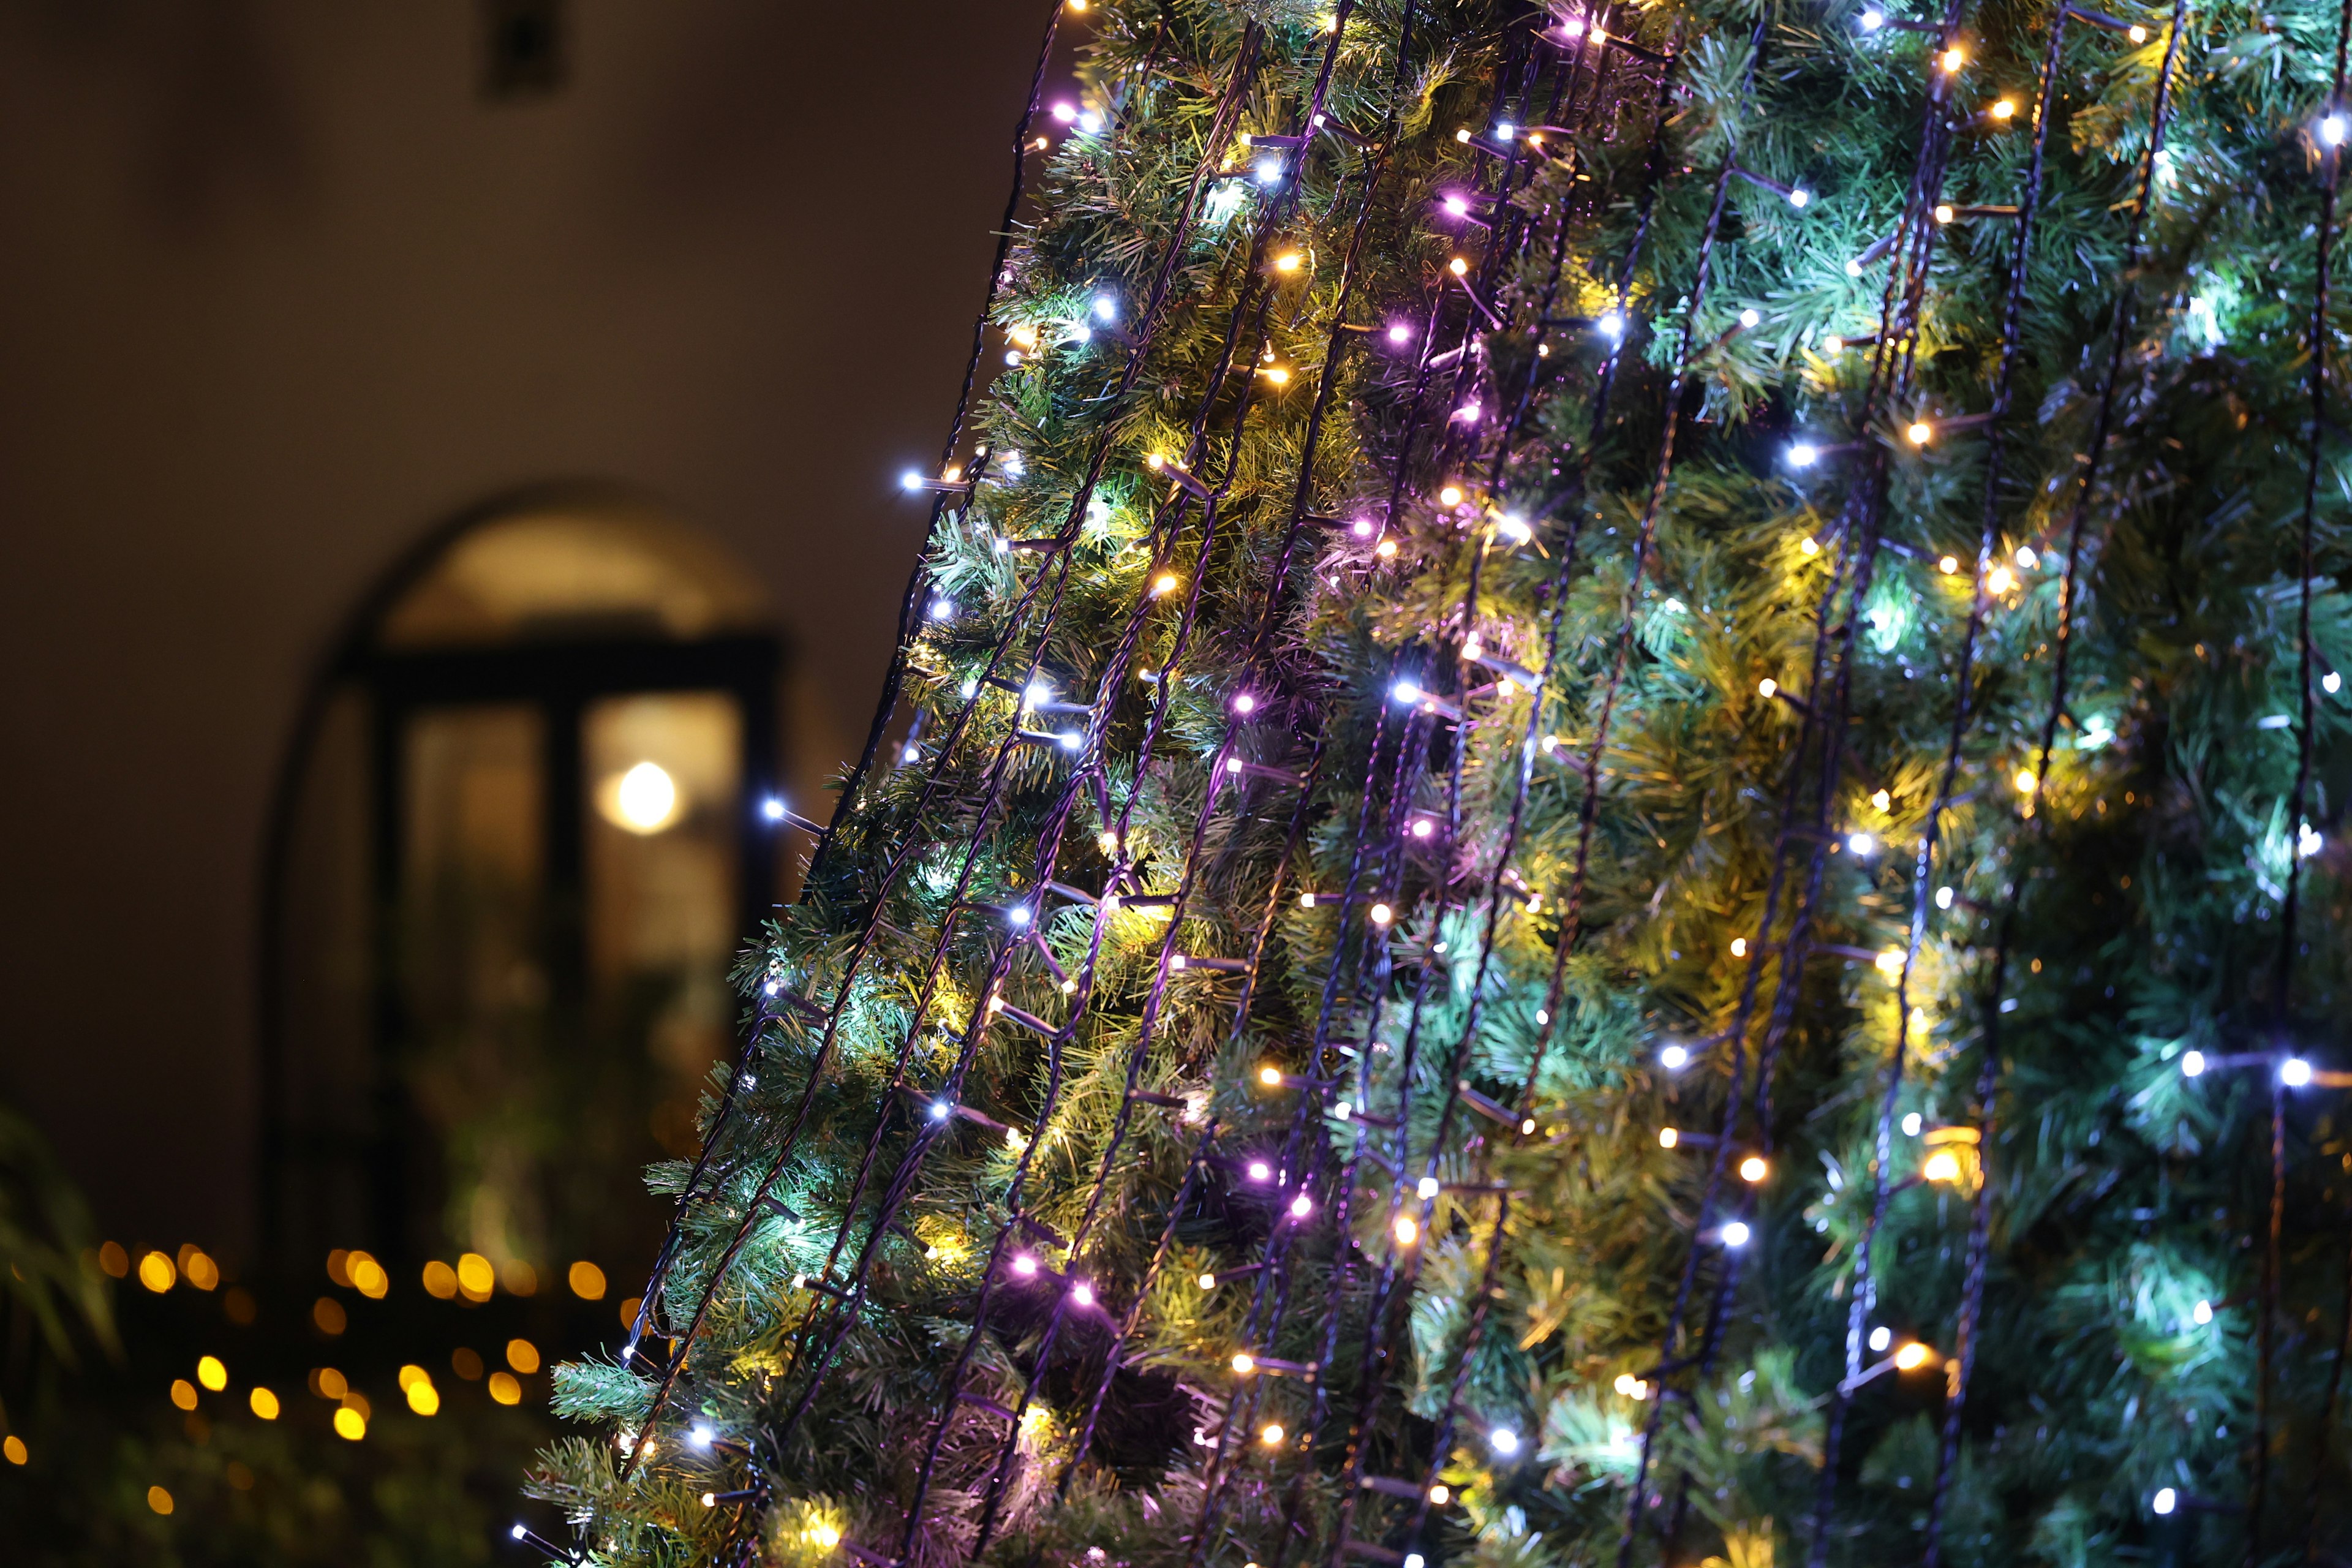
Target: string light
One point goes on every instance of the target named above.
(1674, 1059)
(2294, 1072)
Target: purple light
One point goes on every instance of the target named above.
(1066, 112)
(1083, 1294)
(1469, 410)
(1244, 703)
(1457, 207)
(1400, 333)
(1363, 528)
(1259, 1170)
(1024, 1265)
(1301, 1206)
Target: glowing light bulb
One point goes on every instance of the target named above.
(1674, 1059)
(1801, 198)
(1288, 262)
(1106, 308)
(1259, 1170)
(2166, 1500)
(1942, 898)
(1913, 1356)
(1952, 59)
(1669, 1137)
(1382, 914)
(939, 1110)
(1880, 1338)
(1920, 433)
(2003, 108)
(1751, 318)
(2136, 33)
(1504, 1441)
(2025, 557)
(2331, 683)
(1422, 827)
(1613, 323)
(2192, 1064)
(1753, 1168)
(1944, 213)
(1872, 19)
(1450, 496)
(1458, 266)
(1024, 1265)
(1833, 344)
(1428, 1187)
(1209, 1282)
(1808, 547)
(1269, 170)
(1066, 112)
(645, 799)
(1911, 1125)
(1440, 1495)
(1089, 121)
(1163, 585)
(1803, 454)
(1407, 1230)
(1515, 528)
(1862, 843)
(1083, 1294)
(1301, 1206)
(2201, 1313)
(1767, 686)
(2000, 580)
(2026, 782)
(1457, 207)
(1949, 564)
(2294, 1072)
(1244, 1362)
(1735, 1234)
(1271, 1435)
(1943, 1165)
(1398, 332)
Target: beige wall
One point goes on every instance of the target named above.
(278, 291)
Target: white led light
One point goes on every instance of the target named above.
(1751, 318)
(1089, 121)
(1017, 916)
(1428, 1187)
(773, 809)
(1862, 843)
(1801, 198)
(1405, 691)
(2332, 129)
(1674, 1059)
(2331, 683)
(699, 1436)
(1880, 1338)
(2294, 1072)
(1942, 898)
(909, 481)
(1803, 454)
(939, 1110)
(1911, 1125)
(1613, 323)
(1735, 1233)
(1106, 307)
(1269, 170)
(1872, 19)
(1504, 1441)
(2165, 1500)
(2201, 1313)
(2192, 1064)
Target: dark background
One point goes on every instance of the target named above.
(284, 287)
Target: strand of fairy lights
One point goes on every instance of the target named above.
(1147, 325)
(2069, 592)
(2332, 135)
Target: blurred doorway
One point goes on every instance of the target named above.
(520, 845)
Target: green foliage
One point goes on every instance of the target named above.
(834, 1325)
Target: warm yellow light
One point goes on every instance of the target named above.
(329, 1383)
(505, 1389)
(440, 1281)
(1920, 433)
(1244, 1362)
(1163, 585)
(1107, 841)
(1407, 1230)
(2003, 108)
(184, 1394)
(475, 1276)
(1385, 549)
(644, 799)
(368, 1277)
(159, 1499)
(1077, 4)
(1457, 267)
(1155, 461)
(1881, 799)
(1382, 914)
(2136, 33)
(2000, 580)
(1668, 1137)
(523, 1356)
(1890, 963)
(1767, 686)
(263, 1404)
(423, 1398)
(1270, 1077)
(1833, 344)
(1953, 59)
(1208, 1281)
(350, 1425)
(13, 1447)
(411, 1375)
(1023, 336)
(1753, 1168)
(825, 1535)
(2026, 783)
(1287, 261)
(1738, 947)
(201, 1270)
(1943, 1165)
(587, 1281)
(1279, 374)
(212, 1373)
(1949, 564)
(1809, 546)
(1441, 1494)
(1271, 1435)
(156, 1272)
(1914, 1356)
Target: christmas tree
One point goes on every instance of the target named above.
(1607, 833)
